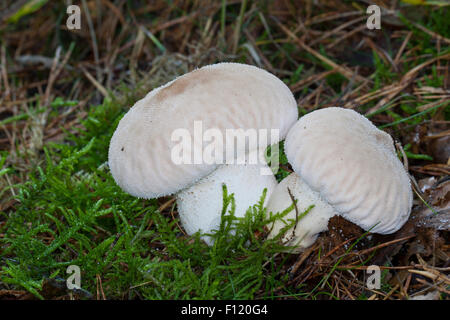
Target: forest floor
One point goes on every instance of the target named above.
(62, 93)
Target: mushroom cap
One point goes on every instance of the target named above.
(353, 165)
(200, 206)
(222, 96)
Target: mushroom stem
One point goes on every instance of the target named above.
(307, 226)
(200, 205)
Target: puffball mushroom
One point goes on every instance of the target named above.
(345, 166)
(224, 96)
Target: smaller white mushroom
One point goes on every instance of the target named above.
(345, 166)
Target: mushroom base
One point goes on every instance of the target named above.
(200, 205)
(307, 227)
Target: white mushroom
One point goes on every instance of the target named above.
(345, 166)
(221, 97)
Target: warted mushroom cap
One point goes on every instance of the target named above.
(353, 165)
(222, 96)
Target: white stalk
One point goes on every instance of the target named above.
(307, 228)
(200, 205)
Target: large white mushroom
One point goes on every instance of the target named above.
(219, 97)
(343, 165)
